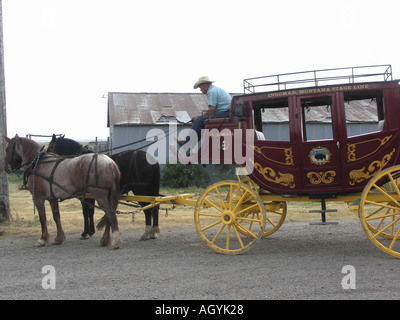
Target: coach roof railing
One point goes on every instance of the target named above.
(315, 78)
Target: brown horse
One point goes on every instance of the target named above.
(137, 175)
(51, 177)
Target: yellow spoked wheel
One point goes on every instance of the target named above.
(230, 217)
(276, 214)
(379, 210)
(276, 211)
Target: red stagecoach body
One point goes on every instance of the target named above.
(303, 160)
(304, 147)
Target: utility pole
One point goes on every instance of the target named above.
(4, 199)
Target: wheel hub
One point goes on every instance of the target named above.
(228, 217)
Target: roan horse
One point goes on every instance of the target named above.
(51, 177)
(137, 175)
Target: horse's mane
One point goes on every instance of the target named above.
(30, 147)
(66, 146)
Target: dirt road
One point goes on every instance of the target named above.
(300, 261)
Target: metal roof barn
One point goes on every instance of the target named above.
(132, 115)
(148, 108)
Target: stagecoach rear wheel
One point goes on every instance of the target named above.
(275, 215)
(230, 217)
(379, 210)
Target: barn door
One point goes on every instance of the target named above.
(319, 147)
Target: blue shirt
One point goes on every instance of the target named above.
(218, 98)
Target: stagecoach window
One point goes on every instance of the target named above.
(272, 118)
(317, 118)
(364, 113)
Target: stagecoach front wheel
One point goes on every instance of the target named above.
(276, 214)
(230, 217)
(379, 210)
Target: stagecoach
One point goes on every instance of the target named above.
(314, 152)
(305, 146)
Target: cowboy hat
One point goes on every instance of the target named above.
(202, 80)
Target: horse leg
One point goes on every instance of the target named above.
(44, 239)
(154, 190)
(156, 229)
(105, 239)
(109, 220)
(148, 230)
(88, 212)
(91, 221)
(152, 230)
(115, 234)
(108, 201)
(60, 238)
(85, 233)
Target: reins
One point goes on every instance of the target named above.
(136, 142)
(147, 138)
(144, 139)
(35, 162)
(166, 135)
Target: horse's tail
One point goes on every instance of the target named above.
(102, 222)
(113, 196)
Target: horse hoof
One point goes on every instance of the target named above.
(105, 241)
(40, 243)
(116, 240)
(84, 237)
(56, 243)
(150, 233)
(154, 233)
(147, 233)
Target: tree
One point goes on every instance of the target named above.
(4, 199)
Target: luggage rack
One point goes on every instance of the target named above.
(315, 78)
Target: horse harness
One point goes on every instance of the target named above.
(39, 159)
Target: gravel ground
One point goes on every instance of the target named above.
(299, 261)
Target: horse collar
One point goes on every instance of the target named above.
(35, 161)
(32, 166)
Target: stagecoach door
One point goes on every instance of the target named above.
(320, 147)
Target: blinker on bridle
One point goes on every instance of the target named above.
(12, 161)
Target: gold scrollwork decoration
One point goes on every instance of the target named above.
(321, 177)
(269, 174)
(288, 154)
(359, 175)
(351, 148)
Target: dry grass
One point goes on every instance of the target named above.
(24, 222)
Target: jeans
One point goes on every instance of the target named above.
(198, 124)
